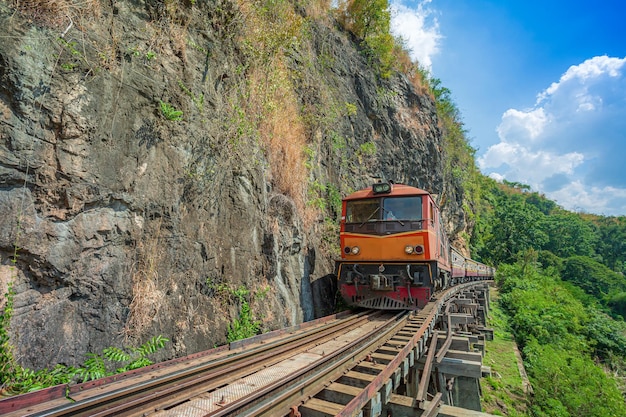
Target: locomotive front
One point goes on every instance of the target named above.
(394, 253)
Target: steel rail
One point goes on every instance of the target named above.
(178, 386)
(174, 387)
(303, 384)
(430, 311)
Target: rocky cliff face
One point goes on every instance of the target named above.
(129, 223)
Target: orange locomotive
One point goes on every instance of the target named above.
(395, 253)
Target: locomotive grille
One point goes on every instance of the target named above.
(384, 303)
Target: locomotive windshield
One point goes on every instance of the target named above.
(402, 208)
(390, 208)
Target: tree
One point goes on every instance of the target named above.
(514, 227)
(568, 235)
(369, 17)
(541, 202)
(370, 20)
(611, 232)
(592, 276)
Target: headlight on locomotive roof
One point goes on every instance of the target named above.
(408, 249)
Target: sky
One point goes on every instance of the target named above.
(541, 87)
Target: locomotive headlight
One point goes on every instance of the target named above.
(419, 249)
(355, 250)
(408, 249)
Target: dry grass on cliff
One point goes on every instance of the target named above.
(56, 13)
(272, 103)
(283, 134)
(147, 294)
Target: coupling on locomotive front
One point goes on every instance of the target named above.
(395, 253)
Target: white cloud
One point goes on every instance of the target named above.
(576, 196)
(584, 88)
(419, 28)
(575, 133)
(594, 68)
(519, 125)
(519, 163)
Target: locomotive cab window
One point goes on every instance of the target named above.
(402, 208)
(390, 208)
(361, 211)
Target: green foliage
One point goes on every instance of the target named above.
(567, 383)
(170, 112)
(7, 361)
(541, 202)
(611, 241)
(549, 260)
(198, 101)
(351, 109)
(593, 277)
(370, 20)
(93, 368)
(606, 336)
(26, 380)
(514, 227)
(113, 360)
(333, 196)
(245, 325)
(262, 293)
(558, 333)
(568, 234)
(503, 390)
(367, 149)
(325, 197)
(540, 308)
(617, 303)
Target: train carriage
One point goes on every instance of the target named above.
(458, 265)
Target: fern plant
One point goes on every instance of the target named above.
(93, 368)
(170, 112)
(18, 380)
(137, 357)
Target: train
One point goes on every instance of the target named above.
(395, 254)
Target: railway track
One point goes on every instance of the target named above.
(340, 365)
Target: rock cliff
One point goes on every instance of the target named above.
(158, 157)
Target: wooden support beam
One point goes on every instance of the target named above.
(460, 318)
(431, 409)
(370, 368)
(423, 385)
(356, 379)
(458, 343)
(338, 393)
(320, 408)
(468, 356)
(460, 367)
(382, 357)
(400, 405)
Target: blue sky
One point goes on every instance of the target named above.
(541, 86)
